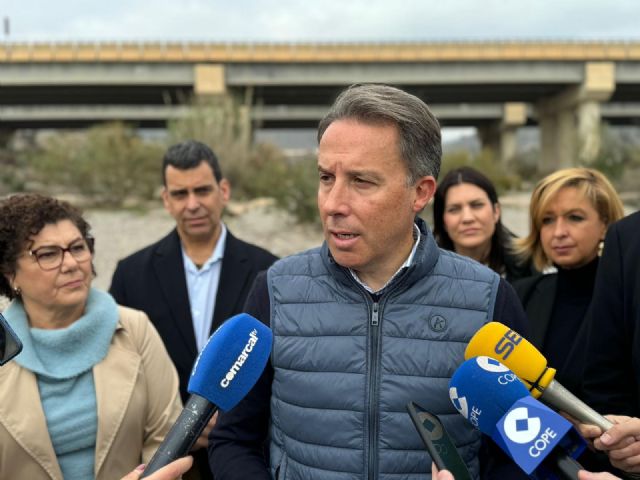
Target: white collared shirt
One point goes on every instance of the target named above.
(202, 286)
(407, 263)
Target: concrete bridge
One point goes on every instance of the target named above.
(566, 88)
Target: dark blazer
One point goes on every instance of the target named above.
(612, 367)
(538, 295)
(514, 270)
(153, 280)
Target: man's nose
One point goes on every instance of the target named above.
(192, 201)
(336, 199)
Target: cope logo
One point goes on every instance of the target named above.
(492, 365)
(459, 402)
(521, 428)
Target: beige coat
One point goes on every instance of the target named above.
(137, 397)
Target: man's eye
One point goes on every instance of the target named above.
(203, 191)
(178, 195)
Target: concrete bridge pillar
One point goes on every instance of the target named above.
(566, 138)
(501, 137)
(209, 79)
(588, 119)
(489, 136)
(514, 115)
(548, 125)
(6, 136)
(570, 121)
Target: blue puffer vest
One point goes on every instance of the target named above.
(345, 366)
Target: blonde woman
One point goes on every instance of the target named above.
(570, 211)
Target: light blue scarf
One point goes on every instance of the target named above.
(62, 360)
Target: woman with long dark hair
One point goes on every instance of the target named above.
(466, 220)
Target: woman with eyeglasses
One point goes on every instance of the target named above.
(93, 392)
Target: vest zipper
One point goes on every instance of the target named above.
(373, 398)
(374, 361)
(373, 401)
(374, 315)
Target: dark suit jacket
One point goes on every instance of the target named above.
(153, 280)
(538, 295)
(612, 369)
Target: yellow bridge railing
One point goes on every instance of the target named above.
(195, 52)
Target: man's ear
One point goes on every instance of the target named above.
(165, 198)
(425, 189)
(225, 189)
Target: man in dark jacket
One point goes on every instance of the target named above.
(374, 318)
(197, 276)
(611, 382)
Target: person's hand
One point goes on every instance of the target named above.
(588, 432)
(169, 472)
(622, 443)
(440, 475)
(584, 475)
(203, 439)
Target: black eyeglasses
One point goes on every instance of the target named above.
(50, 257)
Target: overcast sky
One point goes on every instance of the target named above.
(324, 20)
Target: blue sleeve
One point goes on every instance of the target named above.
(508, 309)
(238, 447)
(495, 464)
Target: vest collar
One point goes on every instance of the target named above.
(424, 260)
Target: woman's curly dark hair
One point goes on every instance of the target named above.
(23, 216)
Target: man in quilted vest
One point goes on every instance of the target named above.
(375, 317)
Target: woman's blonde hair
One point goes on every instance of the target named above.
(590, 183)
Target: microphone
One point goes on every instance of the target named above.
(10, 344)
(226, 369)
(440, 446)
(497, 403)
(498, 341)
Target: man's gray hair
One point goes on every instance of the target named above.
(420, 141)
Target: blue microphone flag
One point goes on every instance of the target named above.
(482, 390)
(498, 404)
(232, 361)
(530, 431)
